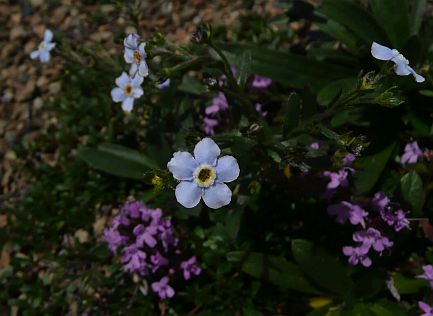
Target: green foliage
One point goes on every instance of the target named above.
(274, 250)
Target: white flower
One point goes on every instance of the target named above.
(127, 90)
(135, 55)
(203, 175)
(401, 67)
(43, 51)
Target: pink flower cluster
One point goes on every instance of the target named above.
(383, 213)
(149, 246)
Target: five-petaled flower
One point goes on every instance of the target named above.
(135, 55)
(43, 51)
(203, 175)
(127, 90)
(401, 67)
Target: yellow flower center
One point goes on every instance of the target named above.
(128, 89)
(42, 46)
(204, 175)
(137, 57)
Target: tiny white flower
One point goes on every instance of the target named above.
(203, 175)
(401, 67)
(127, 90)
(135, 55)
(43, 51)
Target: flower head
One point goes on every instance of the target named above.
(357, 255)
(190, 267)
(337, 179)
(135, 55)
(401, 67)
(348, 159)
(428, 274)
(219, 104)
(372, 238)
(345, 211)
(44, 48)
(127, 90)
(260, 82)
(162, 288)
(411, 154)
(209, 125)
(427, 309)
(203, 175)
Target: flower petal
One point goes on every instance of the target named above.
(227, 169)
(128, 104)
(401, 68)
(44, 56)
(138, 92)
(131, 41)
(50, 46)
(418, 78)
(123, 80)
(182, 165)
(128, 55)
(48, 36)
(188, 194)
(117, 95)
(34, 54)
(381, 52)
(206, 151)
(137, 81)
(217, 195)
(143, 70)
(141, 50)
(133, 70)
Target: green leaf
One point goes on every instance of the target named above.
(117, 160)
(387, 308)
(417, 9)
(275, 270)
(233, 223)
(334, 88)
(373, 166)
(321, 267)
(393, 15)
(405, 285)
(412, 190)
(340, 33)
(294, 70)
(291, 112)
(243, 68)
(356, 19)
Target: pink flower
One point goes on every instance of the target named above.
(162, 288)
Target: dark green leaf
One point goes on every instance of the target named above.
(243, 66)
(412, 190)
(294, 70)
(117, 160)
(331, 90)
(405, 285)
(373, 166)
(275, 270)
(393, 15)
(291, 112)
(321, 267)
(356, 19)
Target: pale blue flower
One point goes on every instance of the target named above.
(401, 67)
(44, 48)
(127, 90)
(135, 55)
(203, 175)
